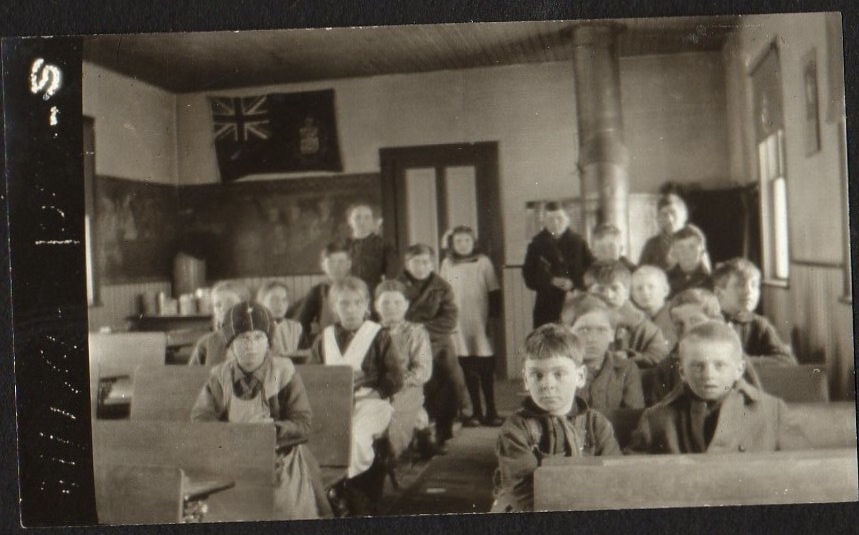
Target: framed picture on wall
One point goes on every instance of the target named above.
(812, 116)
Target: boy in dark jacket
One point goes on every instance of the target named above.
(714, 410)
(432, 304)
(737, 284)
(555, 264)
(552, 421)
(688, 247)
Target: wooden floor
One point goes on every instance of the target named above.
(461, 481)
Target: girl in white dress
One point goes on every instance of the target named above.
(478, 298)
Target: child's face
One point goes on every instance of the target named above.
(688, 254)
(250, 349)
(615, 294)
(671, 218)
(556, 222)
(710, 368)
(740, 294)
(463, 244)
(595, 331)
(337, 265)
(553, 383)
(419, 266)
(687, 316)
(362, 221)
(607, 248)
(649, 291)
(276, 301)
(222, 301)
(351, 309)
(392, 307)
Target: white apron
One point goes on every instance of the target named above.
(293, 493)
(371, 415)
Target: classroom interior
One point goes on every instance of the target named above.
(474, 122)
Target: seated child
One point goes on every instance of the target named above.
(715, 410)
(687, 309)
(432, 304)
(315, 312)
(738, 288)
(413, 345)
(367, 348)
(649, 290)
(286, 334)
(612, 381)
(211, 348)
(253, 386)
(691, 270)
(636, 336)
(552, 421)
(607, 245)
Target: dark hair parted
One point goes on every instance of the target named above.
(418, 249)
(552, 340)
(334, 247)
(741, 267)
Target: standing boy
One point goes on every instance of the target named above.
(555, 264)
(373, 259)
(714, 410)
(552, 421)
(738, 287)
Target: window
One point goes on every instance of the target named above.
(776, 257)
(772, 176)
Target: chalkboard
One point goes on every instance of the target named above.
(135, 228)
(269, 227)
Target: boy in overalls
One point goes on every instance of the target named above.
(552, 420)
(253, 386)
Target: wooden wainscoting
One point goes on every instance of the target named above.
(518, 305)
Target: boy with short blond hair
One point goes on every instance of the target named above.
(714, 410)
(691, 271)
(649, 291)
(552, 421)
(687, 309)
(737, 284)
(636, 336)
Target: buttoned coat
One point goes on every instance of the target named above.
(616, 385)
(749, 420)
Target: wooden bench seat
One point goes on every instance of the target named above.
(130, 493)
(795, 384)
(654, 481)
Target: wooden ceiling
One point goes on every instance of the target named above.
(191, 62)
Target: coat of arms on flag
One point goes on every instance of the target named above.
(275, 133)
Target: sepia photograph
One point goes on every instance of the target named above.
(492, 267)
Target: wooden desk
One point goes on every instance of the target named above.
(241, 453)
(190, 322)
(655, 481)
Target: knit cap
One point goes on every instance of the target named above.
(246, 317)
